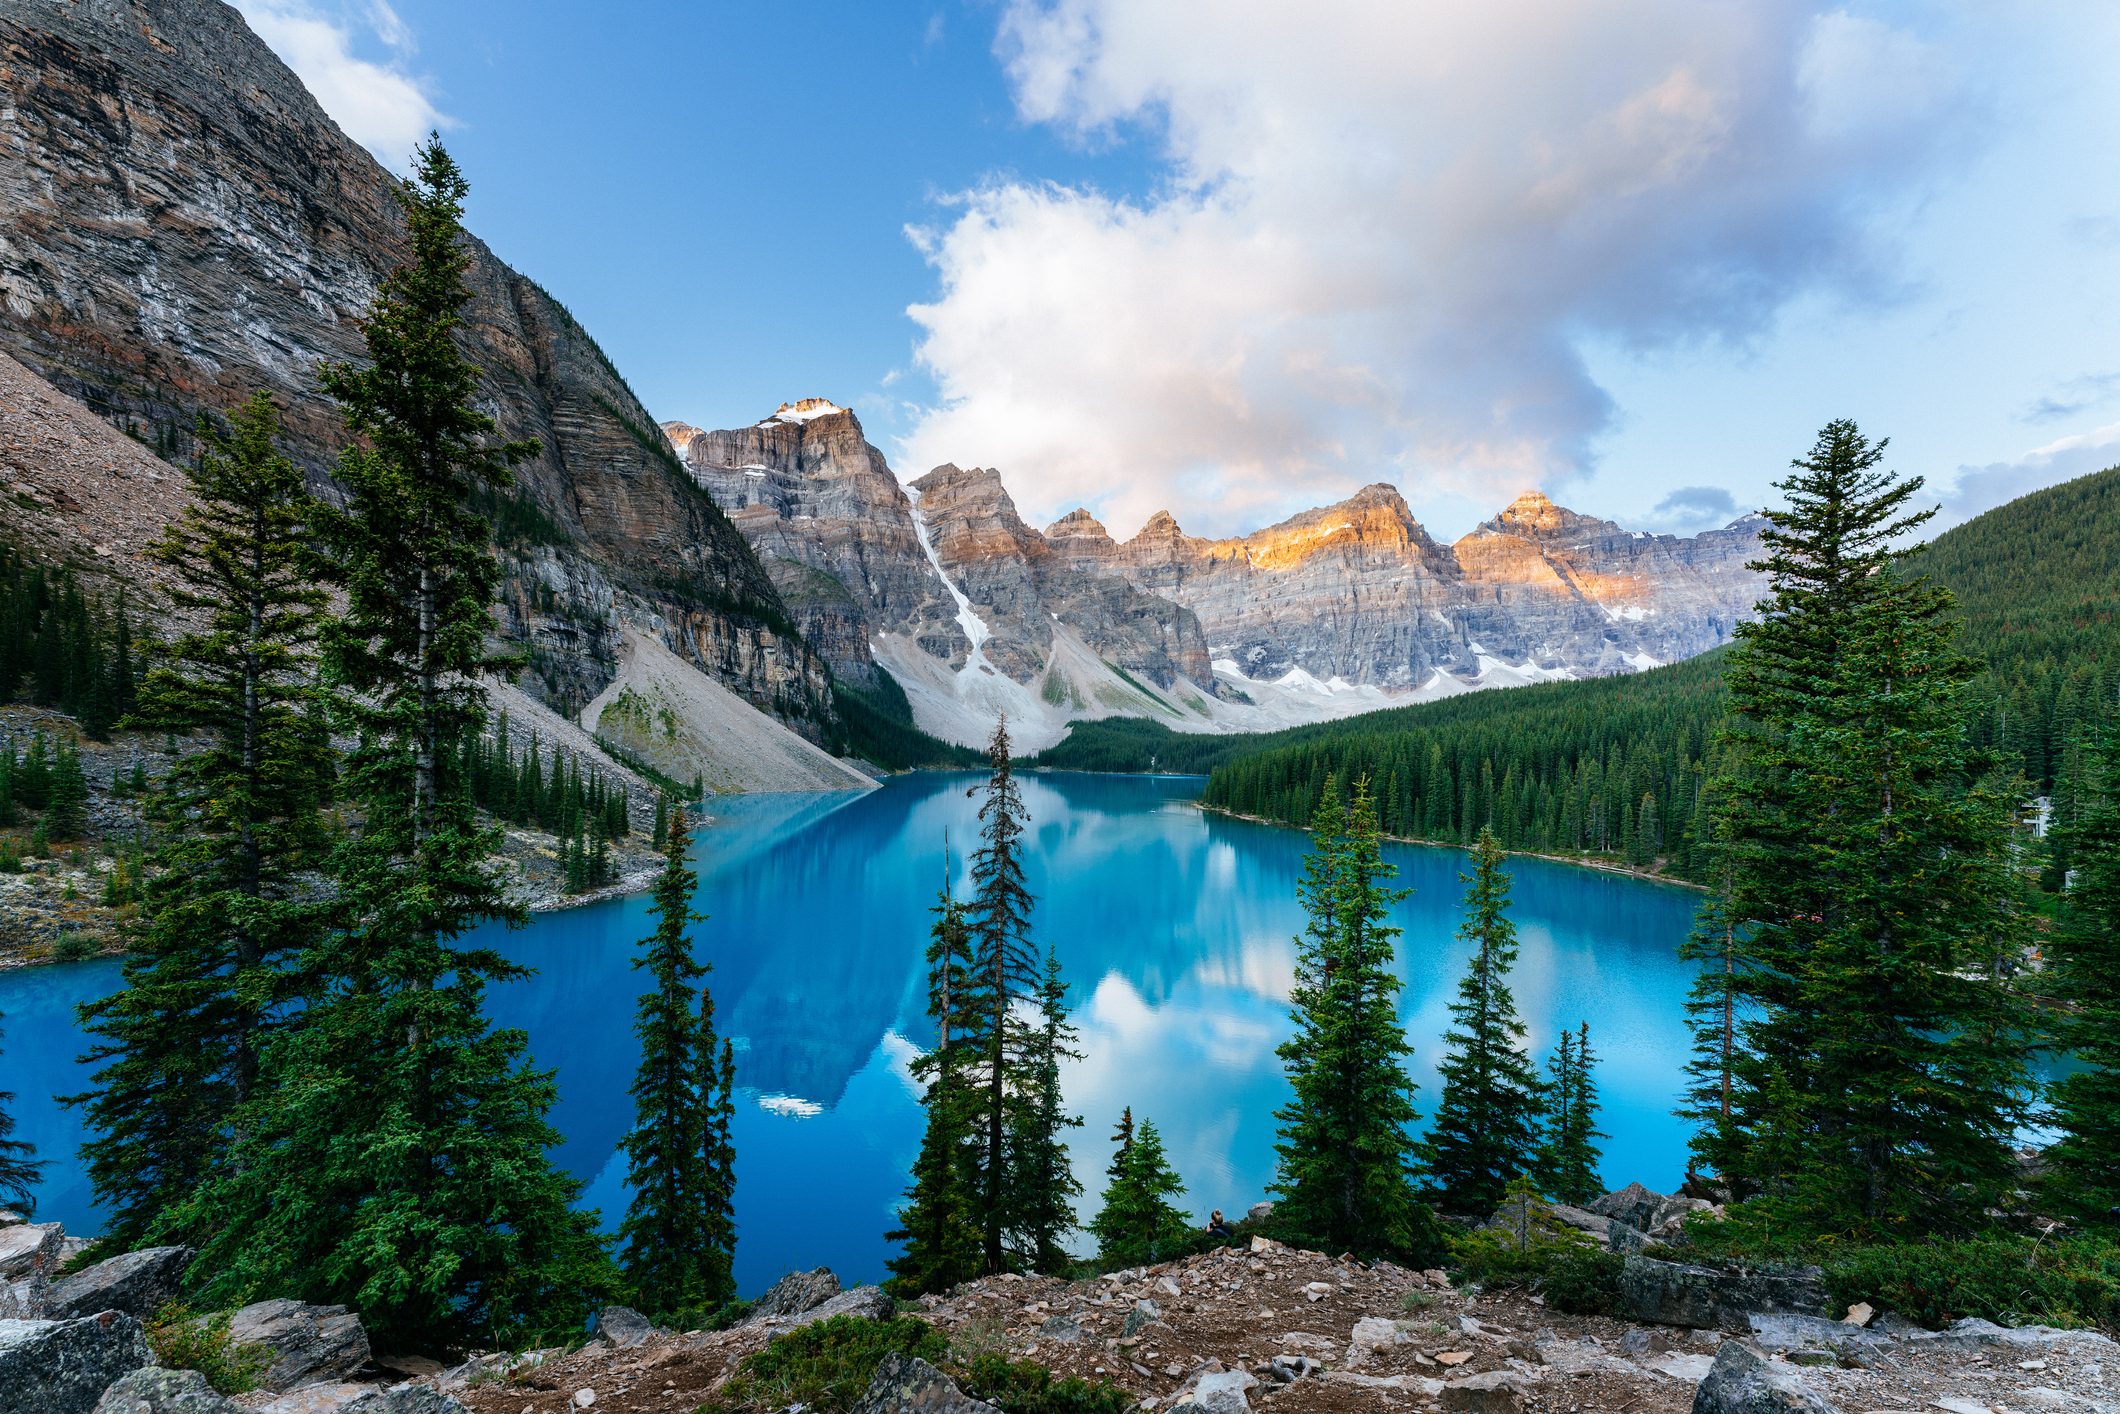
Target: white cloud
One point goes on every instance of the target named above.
(1384, 230)
(1982, 488)
(379, 104)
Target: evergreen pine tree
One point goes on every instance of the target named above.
(1139, 1223)
(1568, 1153)
(66, 804)
(1343, 1179)
(677, 1237)
(2085, 1164)
(398, 1159)
(938, 1225)
(19, 1165)
(1714, 1093)
(1486, 1126)
(1043, 1186)
(1873, 878)
(1004, 971)
(239, 822)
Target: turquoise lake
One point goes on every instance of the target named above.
(1174, 929)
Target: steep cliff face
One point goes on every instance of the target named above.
(1359, 592)
(833, 528)
(180, 223)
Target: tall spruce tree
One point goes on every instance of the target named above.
(677, 1238)
(1713, 1094)
(2084, 1165)
(939, 1223)
(1343, 1178)
(1138, 1222)
(397, 1160)
(1486, 1126)
(1042, 1182)
(19, 1165)
(1873, 886)
(1004, 971)
(240, 828)
(1568, 1153)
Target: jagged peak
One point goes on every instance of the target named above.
(1534, 510)
(1161, 525)
(1077, 524)
(804, 410)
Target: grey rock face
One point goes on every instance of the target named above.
(1223, 1392)
(63, 1367)
(404, 1399)
(29, 1249)
(796, 1293)
(1633, 1205)
(308, 1343)
(137, 1283)
(1705, 1298)
(906, 1384)
(1743, 1381)
(872, 1302)
(623, 1327)
(158, 1391)
(185, 224)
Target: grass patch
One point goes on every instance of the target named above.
(826, 1366)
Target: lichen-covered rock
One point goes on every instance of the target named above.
(1633, 1205)
(794, 1294)
(404, 1399)
(1743, 1381)
(29, 1249)
(907, 1384)
(872, 1302)
(623, 1327)
(63, 1367)
(1223, 1392)
(137, 1283)
(1709, 1298)
(155, 1390)
(309, 1343)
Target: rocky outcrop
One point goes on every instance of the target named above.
(907, 1384)
(63, 1367)
(185, 224)
(1711, 1298)
(155, 1390)
(309, 1344)
(796, 1293)
(1743, 1381)
(138, 1283)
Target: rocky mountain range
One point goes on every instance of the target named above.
(181, 223)
(1337, 610)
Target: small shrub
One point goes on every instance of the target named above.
(827, 1366)
(1584, 1282)
(183, 1341)
(2012, 1280)
(74, 947)
(1414, 1301)
(1020, 1387)
(708, 1318)
(977, 1338)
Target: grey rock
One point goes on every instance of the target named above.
(906, 1384)
(1671, 1214)
(1708, 1298)
(25, 1300)
(1222, 1392)
(405, 1399)
(330, 1397)
(308, 1343)
(872, 1302)
(1259, 1212)
(1633, 1205)
(1973, 1332)
(63, 1367)
(623, 1327)
(1621, 1238)
(794, 1294)
(1145, 1312)
(1287, 1369)
(29, 1249)
(1064, 1329)
(155, 1390)
(1785, 1331)
(137, 1283)
(1496, 1392)
(1743, 1381)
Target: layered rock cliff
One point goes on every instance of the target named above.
(180, 223)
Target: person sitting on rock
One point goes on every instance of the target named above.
(1216, 1227)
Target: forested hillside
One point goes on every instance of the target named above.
(1613, 766)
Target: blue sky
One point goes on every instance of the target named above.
(1235, 257)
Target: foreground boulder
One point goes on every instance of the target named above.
(30, 1250)
(63, 1367)
(622, 1327)
(137, 1283)
(309, 1344)
(794, 1294)
(402, 1399)
(1743, 1381)
(1633, 1205)
(1708, 1298)
(907, 1384)
(872, 1302)
(155, 1390)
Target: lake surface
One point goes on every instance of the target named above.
(1174, 929)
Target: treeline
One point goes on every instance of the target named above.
(45, 781)
(876, 726)
(64, 648)
(587, 811)
(1615, 767)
